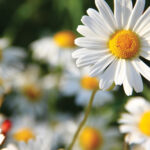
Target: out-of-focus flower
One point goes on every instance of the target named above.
(95, 135)
(43, 143)
(82, 85)
(113, 44)
(31, 97)
(55, 50)
(136, 123)
(25, 129)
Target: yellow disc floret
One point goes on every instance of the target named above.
(65, 39)
(124, 44)
(32, 91)
(90, 139)
(24, 135)
(89, 83)
(144, 123)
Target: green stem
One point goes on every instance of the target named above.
(83, 121)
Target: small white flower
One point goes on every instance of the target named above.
(113, 44)
(41, 143)
(26, 129)
(55, 50)
(94, 135)
(82, 85)
(31, 96)
(135, 124)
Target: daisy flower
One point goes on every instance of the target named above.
(97, 135)
(82, 85)
(114, 43)
(31, 96)
(26, 129)
(55, 50)
(135, 124)
(38, 144)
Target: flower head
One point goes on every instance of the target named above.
(114, 43)
(136, 122)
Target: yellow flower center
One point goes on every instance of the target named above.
(144, 123)
(124, 44)
(65, 39)
(24, 134)
(89, 83)
(90, 139)
(32, 91)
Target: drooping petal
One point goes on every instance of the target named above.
(142, 68)
(101, 65)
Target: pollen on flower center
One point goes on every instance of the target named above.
(124, 44)
(24, 134)
(32, 92)
(144, 123)
(90, 139)
(89, 83)
(65, 39)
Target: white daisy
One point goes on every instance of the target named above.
(38, 144)
(55, 50)
(30, 97)
(26, 129)
(113, 44)
(135, 124)
(82, 85)
(97, 135)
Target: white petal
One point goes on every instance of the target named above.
(120, 72)
(90, 43)
(142, 22)
(136, 13)
(86, 20)
(83, 51)
(135, 138)
(142, 68)
(134, 78)
(101, 65)
(99, 19)
(107, 78)
(145, 55)
(127, 128)
(85, 31)
(106, 12)
(122, 11)
(126, 85)
(137, 105)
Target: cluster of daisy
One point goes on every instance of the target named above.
(40, 86)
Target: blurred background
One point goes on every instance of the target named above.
(46, 92)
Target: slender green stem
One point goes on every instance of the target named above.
(83, 121)
(125, 145)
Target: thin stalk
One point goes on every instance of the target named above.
(88, 109)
